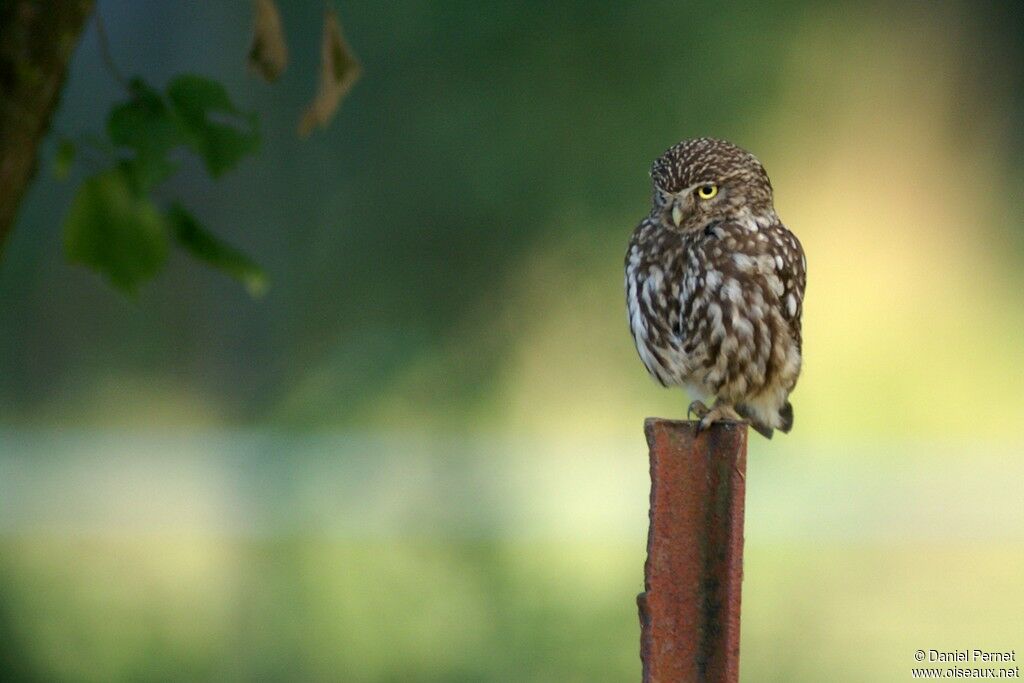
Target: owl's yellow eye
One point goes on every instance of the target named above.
(707, 191)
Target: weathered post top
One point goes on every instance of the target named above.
(690, 608)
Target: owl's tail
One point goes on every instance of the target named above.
(783, 424)
(786, 415)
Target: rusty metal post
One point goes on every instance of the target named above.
(690, 607)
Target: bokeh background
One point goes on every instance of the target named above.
(419, 457)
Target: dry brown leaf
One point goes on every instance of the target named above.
(339, 69)
(268, 55)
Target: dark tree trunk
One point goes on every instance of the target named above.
(37, 38)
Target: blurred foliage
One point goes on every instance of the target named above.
(424, 246)
(339, 70)
(114, 225)
(268, 53)
(410, 610)
(312, 609)
(63, 159)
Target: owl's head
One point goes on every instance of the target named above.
(704, 179)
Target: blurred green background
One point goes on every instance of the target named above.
(419, 457)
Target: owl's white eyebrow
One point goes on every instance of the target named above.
(685, 190)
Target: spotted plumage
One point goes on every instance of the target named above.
(715, 286)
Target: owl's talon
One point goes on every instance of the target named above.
(697, 408)
(721, 412)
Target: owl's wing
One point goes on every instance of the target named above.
(791, 265)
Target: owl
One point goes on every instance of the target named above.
(715, 287)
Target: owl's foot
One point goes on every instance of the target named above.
(721, 411)
(697, 408)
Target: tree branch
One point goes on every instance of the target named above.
(37, 39)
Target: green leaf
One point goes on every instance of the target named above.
(111, 229)
(220, 133)
(192, 236)
(146, 125)
(143, 172)
(63, 159)
(143, 122)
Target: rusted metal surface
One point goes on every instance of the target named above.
(690, 608)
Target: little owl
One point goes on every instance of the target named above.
(715, 286)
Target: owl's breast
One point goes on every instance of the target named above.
(736, 312)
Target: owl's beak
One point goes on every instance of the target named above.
(677, 215)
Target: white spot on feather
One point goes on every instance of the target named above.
(743, 262)
(732, 290)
